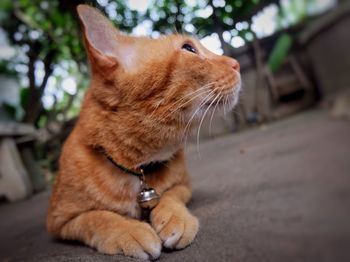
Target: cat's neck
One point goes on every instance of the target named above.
(129, 139)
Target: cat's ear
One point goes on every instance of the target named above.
(105, 44)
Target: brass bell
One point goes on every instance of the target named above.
(148, 198)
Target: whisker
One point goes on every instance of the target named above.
(230, 100)
(181, 100)
(212, 115)
(205, 99)
(223, 105)
(195, 91)
(201, 91)
(180, 106)
(201, 122)
(159, 103)
(209, 96)
(206, 87)
(156, 107)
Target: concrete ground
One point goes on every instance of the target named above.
(278, 193)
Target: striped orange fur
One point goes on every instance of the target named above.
(142, 95)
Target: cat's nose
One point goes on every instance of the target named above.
(234, 64)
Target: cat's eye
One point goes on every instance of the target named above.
(189, 48)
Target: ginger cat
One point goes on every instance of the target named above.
(142, 96)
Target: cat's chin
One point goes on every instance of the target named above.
(164, 154)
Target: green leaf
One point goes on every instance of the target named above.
(15, 111)
(24, 95)
(10, 109)
(279, 52)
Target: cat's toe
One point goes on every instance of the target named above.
(177, 230)
(172, 231)
(190, 232)
(139, 241)
(148, 240)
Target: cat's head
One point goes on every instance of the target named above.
(172, 78)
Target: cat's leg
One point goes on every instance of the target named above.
(111, 233)
(171, 219)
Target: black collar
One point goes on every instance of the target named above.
(146, 168)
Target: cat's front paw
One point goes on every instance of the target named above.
(175, 225)
(137, 240)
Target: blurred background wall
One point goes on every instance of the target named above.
(293, 55)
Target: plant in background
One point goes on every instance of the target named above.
(43, 35)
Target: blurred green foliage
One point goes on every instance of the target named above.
(43, 34)
(279, 52)
(46, 37)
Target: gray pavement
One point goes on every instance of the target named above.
(277, 193)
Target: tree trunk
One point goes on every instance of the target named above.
(33, 105)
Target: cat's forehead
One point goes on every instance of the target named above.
(166, 41)
(161, 49)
